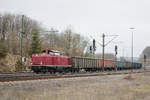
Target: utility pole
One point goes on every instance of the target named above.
(132, 49)
(103, 45)
(52, 31)
(103, 49)
(21, 43)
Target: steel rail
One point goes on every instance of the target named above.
(33, 76)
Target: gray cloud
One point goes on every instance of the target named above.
(93, 17)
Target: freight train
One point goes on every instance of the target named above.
(51, 61)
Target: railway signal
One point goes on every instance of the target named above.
(90, 49)
(94, 46)
(116, 52)
(116, 56)
(144, 60)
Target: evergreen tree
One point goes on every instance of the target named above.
(36, 46)
(3, 49)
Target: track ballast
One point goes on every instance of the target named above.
(7, 77)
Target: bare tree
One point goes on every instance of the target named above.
(10, 30)
(68, 42)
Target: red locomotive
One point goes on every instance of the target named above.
(51, 61)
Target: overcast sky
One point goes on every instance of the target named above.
(92, 17)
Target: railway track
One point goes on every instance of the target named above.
(7, 77)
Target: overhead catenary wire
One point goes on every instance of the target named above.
(103, 44)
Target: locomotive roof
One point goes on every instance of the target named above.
(43, 54)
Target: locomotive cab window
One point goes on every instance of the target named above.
(51, 52)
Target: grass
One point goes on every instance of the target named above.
(124, 87)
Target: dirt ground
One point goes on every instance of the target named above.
(111, 87)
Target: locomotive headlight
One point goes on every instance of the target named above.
(41, 63)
